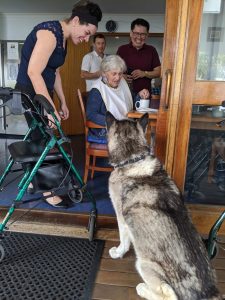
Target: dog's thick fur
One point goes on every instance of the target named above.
(171, 257)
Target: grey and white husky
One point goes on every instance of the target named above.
(171, 257)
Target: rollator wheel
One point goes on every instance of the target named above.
(75, 194)
(2, 253)
(92, 225)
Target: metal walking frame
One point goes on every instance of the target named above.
(32, 156)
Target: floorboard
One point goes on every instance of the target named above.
(117, 279)
(103, 292)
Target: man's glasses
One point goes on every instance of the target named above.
(138, 34)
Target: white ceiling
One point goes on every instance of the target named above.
(61, 6)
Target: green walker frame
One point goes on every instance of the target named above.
(40, 122)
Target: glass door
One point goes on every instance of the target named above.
(199, 152)
(205, 170)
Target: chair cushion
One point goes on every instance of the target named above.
(93, 139)
(96, 135)
(98, 146)
(25, 151)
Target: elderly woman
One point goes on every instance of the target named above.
(111, 93)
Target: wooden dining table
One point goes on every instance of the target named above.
(138, 114)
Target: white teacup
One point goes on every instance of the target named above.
(142, 103)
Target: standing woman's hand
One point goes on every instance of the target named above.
(64, 112)
(51, 121)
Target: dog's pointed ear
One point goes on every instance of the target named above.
(144, 121)
(109, 119)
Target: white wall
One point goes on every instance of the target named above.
(124, 21)
(17, 26)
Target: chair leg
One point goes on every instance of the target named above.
(93, 167)
(86, 168)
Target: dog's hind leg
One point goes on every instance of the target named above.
(153, 287)
(161, 293)
(124, 246)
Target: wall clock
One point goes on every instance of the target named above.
(111, 26)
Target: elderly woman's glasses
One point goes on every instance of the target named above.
(138, 34)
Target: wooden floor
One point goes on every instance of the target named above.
(117, 279)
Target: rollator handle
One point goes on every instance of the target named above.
(44, 102)
(6, 93)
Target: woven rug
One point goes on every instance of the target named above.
(48, 267)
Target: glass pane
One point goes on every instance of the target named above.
(205, 173)
(211, 55)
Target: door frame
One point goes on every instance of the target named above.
(182, 86)
(186, 90)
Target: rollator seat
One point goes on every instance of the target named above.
(26, 151)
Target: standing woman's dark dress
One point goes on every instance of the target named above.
(56, 60)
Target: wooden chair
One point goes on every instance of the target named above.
(91, 149)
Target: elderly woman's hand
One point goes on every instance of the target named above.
(144, 94)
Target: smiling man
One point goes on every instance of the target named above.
(142, 60)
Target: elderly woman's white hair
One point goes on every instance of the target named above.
(113, 62)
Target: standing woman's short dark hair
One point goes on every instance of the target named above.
(88, 12)
(141, 22)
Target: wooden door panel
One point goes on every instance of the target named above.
(71, 81)
(178, 169)
(169, 50)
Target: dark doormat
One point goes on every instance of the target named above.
(48, 267)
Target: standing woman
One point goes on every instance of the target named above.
(44, 51)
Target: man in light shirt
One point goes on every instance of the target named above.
(90, 68)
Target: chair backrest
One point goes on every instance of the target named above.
(92, 149)
(87, 124)
(83, 112)
(82, 100)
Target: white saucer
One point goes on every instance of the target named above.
(147, 110)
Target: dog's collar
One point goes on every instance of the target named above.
(131, 161)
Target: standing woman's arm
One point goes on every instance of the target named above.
(59, 91)
(45, 45)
